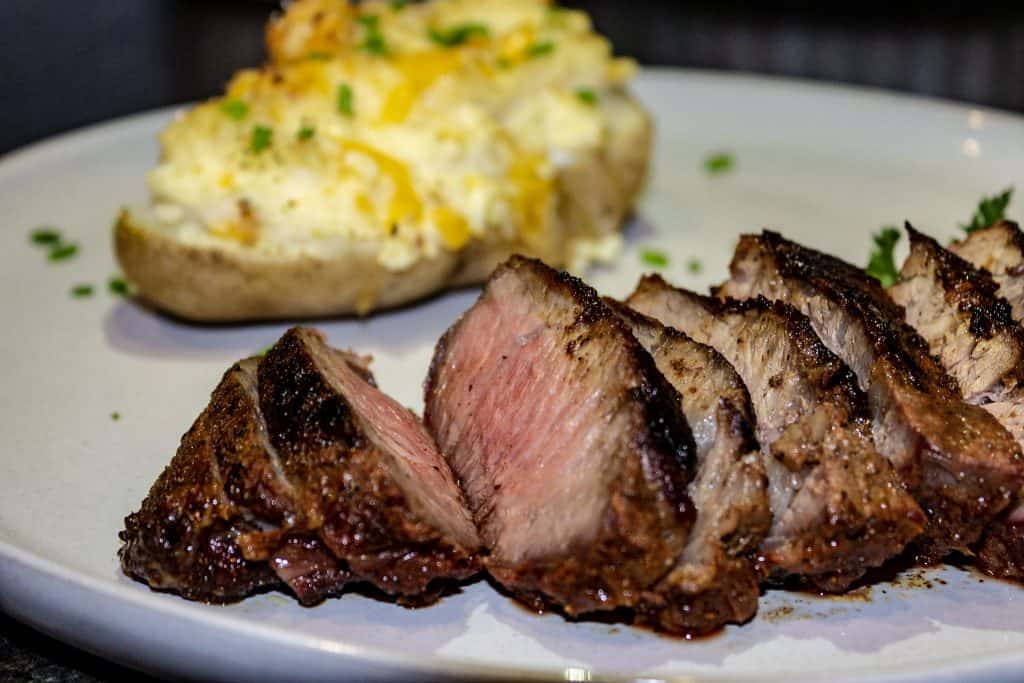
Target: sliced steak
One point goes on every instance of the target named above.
(185, 537)
(961, 465)
(715, 581)
(968, 326)
(999, 249)
(837, 505)
(570, 445)
(300, 471)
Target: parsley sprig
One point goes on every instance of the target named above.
(882, 263)
(989, 211)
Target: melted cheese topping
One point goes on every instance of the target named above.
(407, 130)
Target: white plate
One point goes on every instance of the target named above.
(825, 165)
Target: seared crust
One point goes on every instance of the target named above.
(647, 513)
(350, 496)
(969, 290)
(715, 581)
(837, 504)
(1001, 551)
(998, 249)
(960, 463)
(981, 346)
(184, 538)
(278, 483)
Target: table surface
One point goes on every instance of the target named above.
(116, 57)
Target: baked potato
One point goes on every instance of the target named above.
(385, 152)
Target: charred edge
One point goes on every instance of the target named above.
(856, 292)
(1013, 231)
(299, 408)
(591, 307)
(833, 375)
(740, 411)
(670, 435)
(971, 290)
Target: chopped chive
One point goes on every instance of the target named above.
(374, 41)
(989, 211)
(345, 100)
(236, 109)
(716, 164)
(457, 35)
(398, 5)
(81, 291)
(694, 266)
(45, 236)
(305, 133)
(261, 138)
(881, 262)
(586, 96)
(375, 44)
(319, 55)
(118, 286)
(263, 351)
(63, 251)
(540, 49)
(654, 257)
(115, 416)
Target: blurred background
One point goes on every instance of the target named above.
(67, 63)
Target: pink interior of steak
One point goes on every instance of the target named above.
(417, 466)
(525, 426)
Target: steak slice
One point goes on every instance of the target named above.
(714, 581)
(569, 444)
(301, 472)
(837, 505)
(999, 249)
(969, 327)
(961, 465)
(185, 536)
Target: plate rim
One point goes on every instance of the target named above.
(15, 559)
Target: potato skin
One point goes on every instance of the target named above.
(222, 285)
(213, 285)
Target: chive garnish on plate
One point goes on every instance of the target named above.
(656, 258)
(63, 251)
(721, 162)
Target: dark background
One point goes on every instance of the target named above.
(67, 63)
(71, 62)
